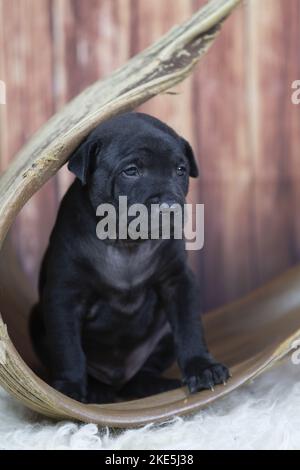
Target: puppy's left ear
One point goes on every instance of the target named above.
(188, 151)
(83, 160)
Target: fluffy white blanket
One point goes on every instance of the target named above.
(262, 415)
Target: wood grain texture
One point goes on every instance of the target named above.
(26, 31)
(226, 263)
(276, 173)
(235, 110)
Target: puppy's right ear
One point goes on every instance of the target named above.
(83, 160)
(194, 172)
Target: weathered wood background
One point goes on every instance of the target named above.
(236, 110)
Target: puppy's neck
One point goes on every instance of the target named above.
(134, 246)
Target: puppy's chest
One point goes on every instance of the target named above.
(126, 270)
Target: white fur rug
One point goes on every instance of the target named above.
(262, 415)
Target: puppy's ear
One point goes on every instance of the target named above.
(188, 151)
(83, 160)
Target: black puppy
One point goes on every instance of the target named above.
(114, 314)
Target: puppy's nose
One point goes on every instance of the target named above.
(163, 199)
(169, 204)
(155, 200)
(165, 203)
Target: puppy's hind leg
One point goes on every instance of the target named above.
(38, 334)
(148, 380)
(99, 392)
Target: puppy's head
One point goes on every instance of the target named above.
(137, 156)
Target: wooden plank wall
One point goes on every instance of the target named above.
(236, 110)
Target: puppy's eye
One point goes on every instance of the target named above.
(181, 170)
(131, 170)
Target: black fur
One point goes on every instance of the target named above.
(113, 315)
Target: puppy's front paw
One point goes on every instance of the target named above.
(75, 390)
(204, 373)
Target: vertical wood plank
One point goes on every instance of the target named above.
(27, 60)
(3, 120)
(274, 25)
(227, 263)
